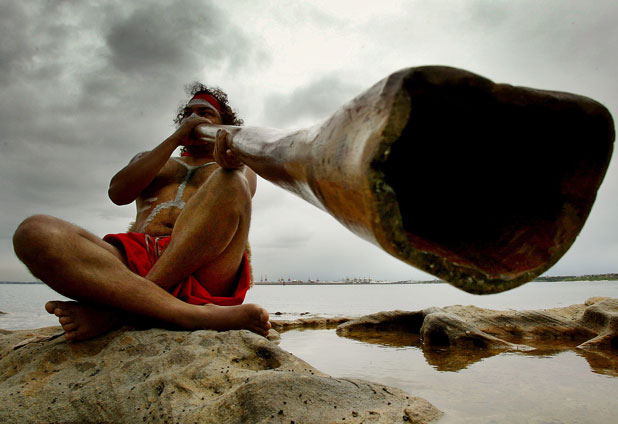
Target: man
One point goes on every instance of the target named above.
(184, 261)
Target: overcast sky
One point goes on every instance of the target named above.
(86, 85)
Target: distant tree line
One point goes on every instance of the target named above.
(594, 277)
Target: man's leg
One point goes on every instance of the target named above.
(210, 236)
(209, 240)
(79, 265)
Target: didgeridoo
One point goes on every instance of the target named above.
(483, 185)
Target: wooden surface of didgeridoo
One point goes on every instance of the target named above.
(483, 185)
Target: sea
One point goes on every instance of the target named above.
(551, 384)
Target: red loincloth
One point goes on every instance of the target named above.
(142, 251)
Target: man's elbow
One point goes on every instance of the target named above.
(117, 196)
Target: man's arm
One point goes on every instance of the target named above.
(226, 159)
(131, 180)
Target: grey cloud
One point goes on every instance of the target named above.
(571, 33)
(13, 48)
(36, 39)
(314, 101)
(164, 37)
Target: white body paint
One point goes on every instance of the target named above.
(177, 202)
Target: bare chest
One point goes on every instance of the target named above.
(176, 175)
(160, 203)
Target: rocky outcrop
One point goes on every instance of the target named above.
(174, 376)
(455, 336)
(601, 315)
(313, 323)
(592, 324)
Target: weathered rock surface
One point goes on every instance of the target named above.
(314, 323)
(171, 376)
(594, 323)
(470, 333)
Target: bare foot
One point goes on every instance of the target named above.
(241, 317)
(81, 322)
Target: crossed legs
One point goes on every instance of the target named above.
(208, 240)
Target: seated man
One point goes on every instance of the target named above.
(184, 261)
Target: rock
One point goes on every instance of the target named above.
(483, 333)
(602, 316)
(178, 376)
(308, 323)
(446, 329)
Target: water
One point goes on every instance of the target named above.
(24, 302)
(553, 384)
(550, 386)
(346, 300)
(24, 306)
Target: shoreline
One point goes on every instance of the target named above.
(304, 283)
(558, 279)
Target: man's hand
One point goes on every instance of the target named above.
(185, 135)
(223, 154)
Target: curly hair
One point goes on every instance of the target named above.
(228, 115)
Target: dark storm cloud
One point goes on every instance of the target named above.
(155, 48)
(187, 33)
(313, 101)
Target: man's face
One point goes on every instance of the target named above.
(202, 111)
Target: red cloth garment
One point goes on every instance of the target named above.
(142, 251)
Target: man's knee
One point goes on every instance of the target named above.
(234, 187)
(34, 234)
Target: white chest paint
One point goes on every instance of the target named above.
(177, 202)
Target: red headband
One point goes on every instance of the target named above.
(208, 98)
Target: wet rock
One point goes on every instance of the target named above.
(175, 376)
(446, 329)
(602, 316)
(308, 323)
(594, 324)
(454, 337)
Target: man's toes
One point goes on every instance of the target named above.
(50, 307)
(70, 335)
(65, 319)
(264, 316)
(71, 326)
